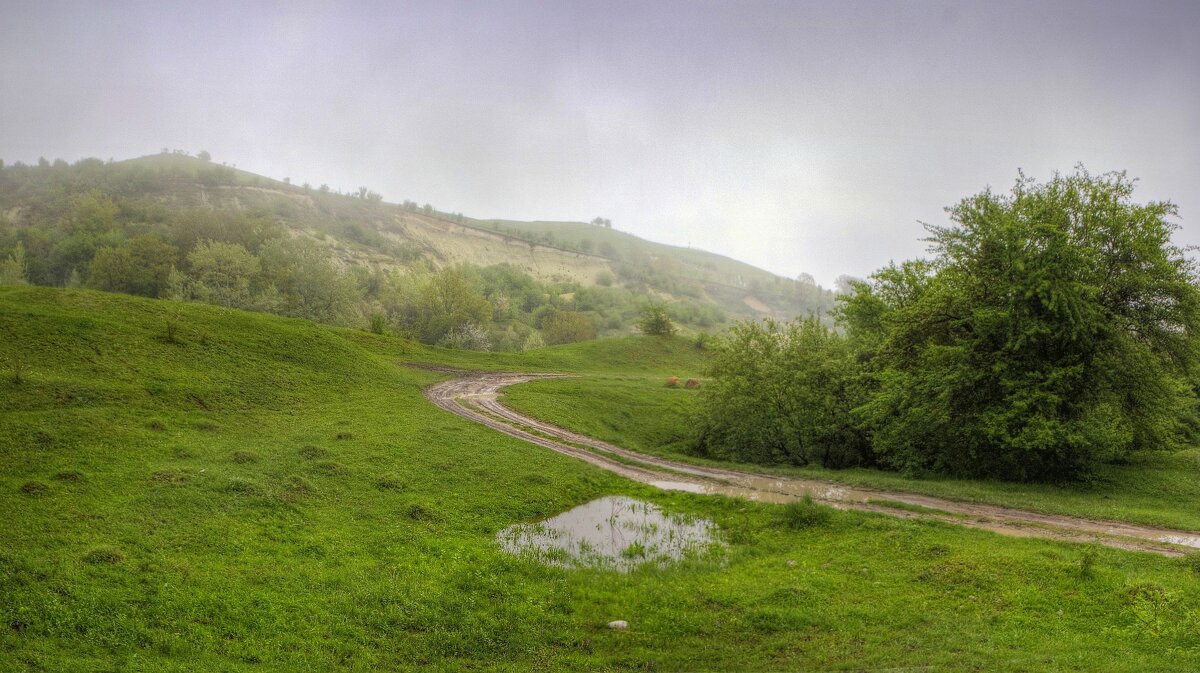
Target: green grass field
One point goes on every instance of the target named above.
(639, 412)
(267, 494)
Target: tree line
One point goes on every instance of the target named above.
(1052, 329)
(121, 228)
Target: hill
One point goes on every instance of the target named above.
(250, 492)
(152, 213)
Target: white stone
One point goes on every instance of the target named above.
(619, 624)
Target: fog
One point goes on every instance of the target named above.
(800, 137)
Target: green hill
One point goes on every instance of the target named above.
(191, 488)
(123, 226)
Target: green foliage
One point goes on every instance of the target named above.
(781, 394)
(655, 321)
(564, 327)
(12, 268)
(803, 513)
(222, 273)
(1054, 329)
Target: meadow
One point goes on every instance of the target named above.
(1158, 488)
(191, 488)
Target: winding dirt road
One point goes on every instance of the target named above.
(475, 396)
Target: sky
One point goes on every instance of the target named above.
(802, 137)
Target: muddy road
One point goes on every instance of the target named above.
(475, 396)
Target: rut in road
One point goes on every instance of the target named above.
(475, 397)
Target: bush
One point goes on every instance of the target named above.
(781, 394)
(801, 514)
(564, 327)
(656, 321)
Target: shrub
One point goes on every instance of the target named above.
(34, 488)
(312, 452)
(330, 468)
(378, 323)
(389, 482)
(801, 514)
(104, 556)
(781, 394)
(564, 327)
(18, 369)
(656, 321)
(692, 383)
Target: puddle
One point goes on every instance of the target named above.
(1182, 540)
(614, 532)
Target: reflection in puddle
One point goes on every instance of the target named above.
(613, 532)
(1183, 540)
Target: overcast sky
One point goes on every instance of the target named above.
(798, 136)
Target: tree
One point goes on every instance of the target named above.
(204, 156)
(1055, 328)
(564, 327)
(221, 273)
(446, 302)
(781, 394)
(656, 321)
(13, 269)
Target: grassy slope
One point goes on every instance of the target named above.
(1157, 488)
(181, 525)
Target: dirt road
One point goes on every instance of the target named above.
(475, 396)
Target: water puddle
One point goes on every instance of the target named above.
(1182, 540)
(614, 532)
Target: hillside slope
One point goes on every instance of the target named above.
(364, 231)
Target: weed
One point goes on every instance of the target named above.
(345, 435)
(1191, 562)
(331, 468)
(378, 323)
(418, 512)
(240, 486)
(313, 452)
(171, 477)
(157, 425)
(1087, 560)
(34, 489)
(298, 485)
(172, 324)
(207, 426)
(389, 482)
(104, 555)
(68, 475)
(802, 514)
(18, 369)
(244, 457)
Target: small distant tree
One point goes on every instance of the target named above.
(656, 321)
(204, 155)
(13, 269)
(564, 327)
(222, 273)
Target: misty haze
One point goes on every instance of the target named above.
(687, 336)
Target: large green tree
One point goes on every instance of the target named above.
(1054, 327)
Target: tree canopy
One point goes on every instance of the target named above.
(1053, 328)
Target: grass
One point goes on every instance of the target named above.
(638, 412)
(378, 551)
